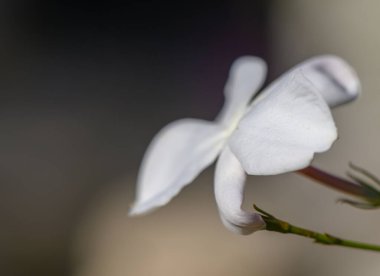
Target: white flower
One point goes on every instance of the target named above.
(279, 132)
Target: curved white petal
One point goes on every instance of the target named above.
(229, 193)
(247, 75)
(177, 154)
(282, 131)
(334, 78)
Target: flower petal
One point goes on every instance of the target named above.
(178, 153)
(247, 74)
(334, 78)
(282, 131)
(229, 193)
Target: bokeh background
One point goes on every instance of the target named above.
(84, 86)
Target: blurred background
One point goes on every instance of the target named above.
(85, 85)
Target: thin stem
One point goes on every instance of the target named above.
(280, 226)
(334, 182)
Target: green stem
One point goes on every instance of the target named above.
(277, 225)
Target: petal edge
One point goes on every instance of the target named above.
(176, 155)
(229, 193)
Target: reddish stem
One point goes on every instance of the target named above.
(333, 181)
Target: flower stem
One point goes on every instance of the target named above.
(334, 182)
(280, 226)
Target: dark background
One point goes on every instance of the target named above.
(84, 85)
